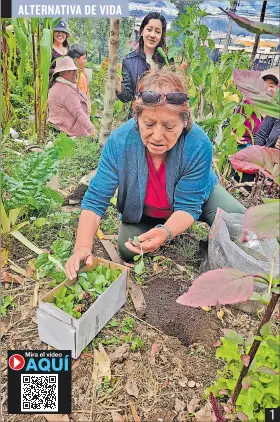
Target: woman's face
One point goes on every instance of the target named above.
(151, 34)
(70, 75)
(160, 129)
(59, 36)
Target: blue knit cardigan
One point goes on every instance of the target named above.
(123, 165)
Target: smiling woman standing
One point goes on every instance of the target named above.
(161, 164)
(60, 44)
(145, 57)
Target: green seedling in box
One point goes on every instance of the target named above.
(76, 299)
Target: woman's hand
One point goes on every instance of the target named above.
(241, 141)
(118, 84)
(93, 132)
(277, 145)
(72, 266)
(150, 241)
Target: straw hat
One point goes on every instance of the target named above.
(273, 73)
(64, 63)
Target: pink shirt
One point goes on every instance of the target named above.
(68, 110)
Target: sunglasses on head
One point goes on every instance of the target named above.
(152, 97)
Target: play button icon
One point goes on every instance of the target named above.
(16, 362)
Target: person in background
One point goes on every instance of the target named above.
(79, 54)
(268, 133)
(67, 105)
(253, 122)
(60, 44)
(144, 57)
(161, 163)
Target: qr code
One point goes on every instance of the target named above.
(39, 393)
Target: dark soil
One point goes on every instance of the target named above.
(190, 325)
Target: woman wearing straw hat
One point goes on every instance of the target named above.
(60, 44)
(67, 105)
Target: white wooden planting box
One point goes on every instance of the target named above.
(63, 331)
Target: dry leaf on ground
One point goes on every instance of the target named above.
(30, 269)
(183, 382)
(205, 414)
(193, 405)
(76, 364)
(120, 353)
(116, 417)
(101, 364)
(134, 412)
(206, 308)
(56, 418)
(131, 388)
(191, 384)
(11, 278)
(179, 405)
(153, 352)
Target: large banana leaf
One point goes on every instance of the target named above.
(251, 26)
(45, 62)
(252, 87)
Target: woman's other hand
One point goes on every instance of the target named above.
(93, 132)
(150, 241)
(241, 141)
(72, 266)
(277, 145)
(118, 84)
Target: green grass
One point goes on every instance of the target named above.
(85, 159)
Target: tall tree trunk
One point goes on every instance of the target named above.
(110, 86)
(6, 108)
(257, 38)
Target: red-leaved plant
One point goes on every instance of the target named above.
(228, 285)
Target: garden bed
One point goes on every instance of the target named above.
(170, 355)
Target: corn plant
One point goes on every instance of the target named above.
(5, 100)
(35, 35)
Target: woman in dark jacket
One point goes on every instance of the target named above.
(268, 134)
(146, 57)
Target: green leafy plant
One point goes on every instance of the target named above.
(127, 324)
(228, 285)
(213, 96)
(6, 302)
(260, 386)
(76, 299)
(139, 267)
(47, 264)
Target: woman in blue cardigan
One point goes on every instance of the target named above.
(161, 164)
